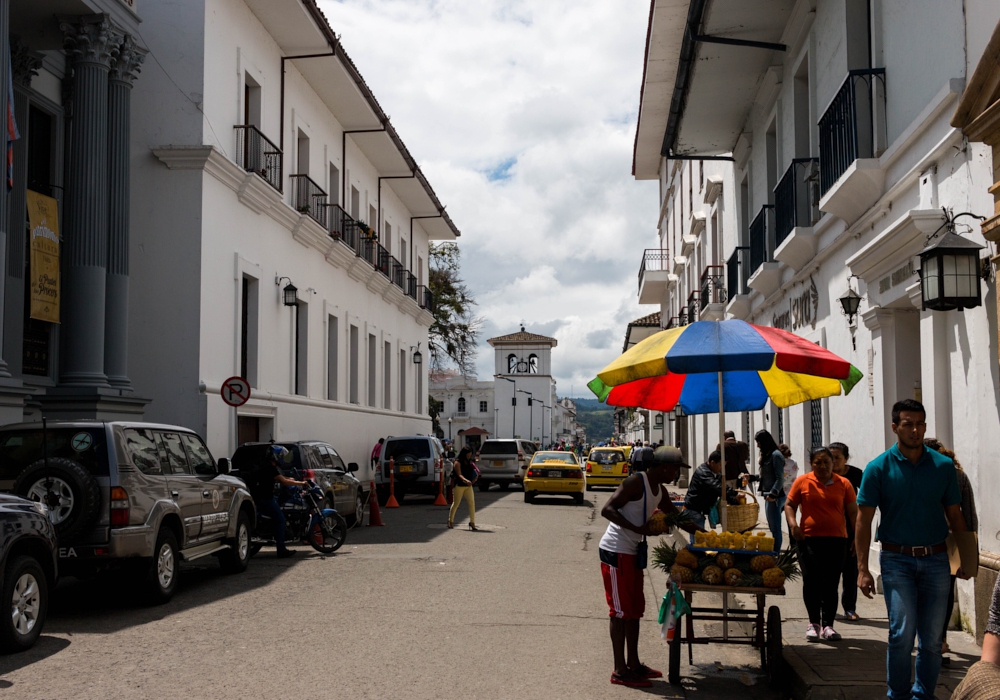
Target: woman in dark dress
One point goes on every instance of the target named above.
(849, 598)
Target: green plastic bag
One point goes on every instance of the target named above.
(672, 607)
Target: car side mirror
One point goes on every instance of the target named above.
(353, 467)
(223, 465)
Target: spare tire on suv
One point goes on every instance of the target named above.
(70, 492)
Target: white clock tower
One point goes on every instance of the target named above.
(524, 392)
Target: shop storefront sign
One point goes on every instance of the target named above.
(43, 236)
(803, 310)
(896, 278)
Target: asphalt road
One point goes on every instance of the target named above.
(410, 610)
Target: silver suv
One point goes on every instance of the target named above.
(413, 460)
(143, 494)
(503, 462)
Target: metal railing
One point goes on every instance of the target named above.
(336, 222)
(255, 153)
(653, 259)
(309, 198)
(411, 285)
(682, 317)
(712, 289)
(693, 305)
(425, 297)
(848, 128)
(795, 203)
(761, 243)
(737, 271)
(383, 261)
(674, 322)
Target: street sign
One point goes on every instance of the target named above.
(235, 391)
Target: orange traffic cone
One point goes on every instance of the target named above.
(441, 500)
(374, 516)
(392, 502)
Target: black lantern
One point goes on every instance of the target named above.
(850, 303)
(291, 295)
(417, 358)
(949, 274)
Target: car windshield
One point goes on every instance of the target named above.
(551, 457)
(414, 447)
(607, 456)
(498, 447)
(19, 448)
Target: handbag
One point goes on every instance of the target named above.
(642, 549)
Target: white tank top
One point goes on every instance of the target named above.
(618, 539)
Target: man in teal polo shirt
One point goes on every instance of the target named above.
(916, 492)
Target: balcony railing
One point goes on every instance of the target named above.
(794, 198)
(693, 305)
(256, 154)
(850, 125)
(682, 317)
(425, 297)
(674, 322)
(309, 198)
(761, 240)
(411, 285)
(657, 259)
(712, 289)
(737, 271)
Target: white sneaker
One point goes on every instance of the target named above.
(812, 633)
(830, 634)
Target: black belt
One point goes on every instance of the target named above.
(915, 551)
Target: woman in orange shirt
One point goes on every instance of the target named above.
(824, 497)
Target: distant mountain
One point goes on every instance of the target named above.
(596, 417)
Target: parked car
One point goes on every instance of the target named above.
(414, 458)
(342, 490)
(504, 462)
(28, 570)
(606, 466)
(554, 473)
(144, 494)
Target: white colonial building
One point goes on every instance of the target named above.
(805, 148)
(466, 408)
(524, 388)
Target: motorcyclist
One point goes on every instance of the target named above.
(262, 491)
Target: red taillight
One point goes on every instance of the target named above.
(534, 472)
(588, 468)
(119, 507)
(576, 474)
(520, 455)
(310, 474)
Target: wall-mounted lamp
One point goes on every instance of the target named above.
(290, 293)
(950, 269)
(417, 357)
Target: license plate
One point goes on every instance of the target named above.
(405, 468)
(555, 473)
(606, 468)
(497, 463)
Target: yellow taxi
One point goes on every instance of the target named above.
(607, 466)
(554, 473)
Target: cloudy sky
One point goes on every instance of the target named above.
(522, 114)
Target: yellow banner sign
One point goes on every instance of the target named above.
(43, 237)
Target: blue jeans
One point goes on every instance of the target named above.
(775, 511)
(273, 511)
(698, 519)
(916, 597)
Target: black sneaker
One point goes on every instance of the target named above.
(286, 553)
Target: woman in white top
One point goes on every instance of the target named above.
(791, 468)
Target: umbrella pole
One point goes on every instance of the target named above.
(722, 454)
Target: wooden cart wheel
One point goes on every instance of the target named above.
(674, 670)
(775, 657)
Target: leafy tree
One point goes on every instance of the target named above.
(455, 330)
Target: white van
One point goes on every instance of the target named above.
(413, 459)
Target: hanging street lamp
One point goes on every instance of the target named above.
(850, 303)
(950, 274)
(290, 294)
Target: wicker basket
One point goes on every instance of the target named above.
(742, 517)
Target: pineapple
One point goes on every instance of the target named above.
(762, 562)
(750, 542)
(658, 523)
(774, 577)
(681, 574)
(737, 541)
(687, 559)
(733, 577)
(712, 575)
(766, 543)
(699, 538)
(725, 561)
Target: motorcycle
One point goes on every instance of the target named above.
(307, 520)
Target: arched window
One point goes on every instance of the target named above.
(461, 404)
(532, 364)
(511, 364)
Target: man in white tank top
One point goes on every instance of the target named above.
(629, 510)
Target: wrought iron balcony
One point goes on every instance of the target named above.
(682, 317)
(693, 305)
(794, 198)
(761, 238)
(411, 285)
(674, 322)
(255, 153)
(653, 259)
(712, 289)
(737, 271)
(309, 198)
(848, 128)
(425, 297)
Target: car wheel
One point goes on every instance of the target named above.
(163, 570)
(357, 518)
(67, 489)
(484, 485)
(235, 559)
(529, 497)
(25, 590)
(589, 487)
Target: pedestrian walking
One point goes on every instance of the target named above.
(377, 451)
(982, 682)
(622, 552)
(771, 481)
(791, 470)
(821, 538)
(736, 455)
(916, 492)
(849, 575)
(971, 518)
(463, 477)
(705, 489)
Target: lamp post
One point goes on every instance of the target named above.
(513, 402)
(449, 428)
(531, 415)
(950, 274)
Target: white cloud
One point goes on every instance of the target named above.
(522, 114)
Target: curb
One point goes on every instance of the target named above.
(802, 683)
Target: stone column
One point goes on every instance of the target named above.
(25, 65)
(90, 46)
(124, 69)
